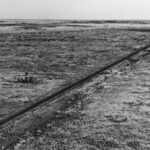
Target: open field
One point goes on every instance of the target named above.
(54, 57)
(111, 113)
(40, 56)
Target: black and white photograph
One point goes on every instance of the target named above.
(74, 74)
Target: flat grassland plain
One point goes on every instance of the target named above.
(37, 56)
(56, 52)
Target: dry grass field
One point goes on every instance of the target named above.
(111, 114)
(40, 56)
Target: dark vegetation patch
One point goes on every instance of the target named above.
(27, 79)
(101, 143)
(138, 30)
(134, 144)
(133, 104)
(28, 26)
(77, 25)
(110, 21)
(18, 24)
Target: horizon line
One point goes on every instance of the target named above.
(76, 19)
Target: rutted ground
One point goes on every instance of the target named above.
(112, 114)
(54, 58)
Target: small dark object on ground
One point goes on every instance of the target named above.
(27, 79)
(117, 118)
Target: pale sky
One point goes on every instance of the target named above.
(75, 9)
